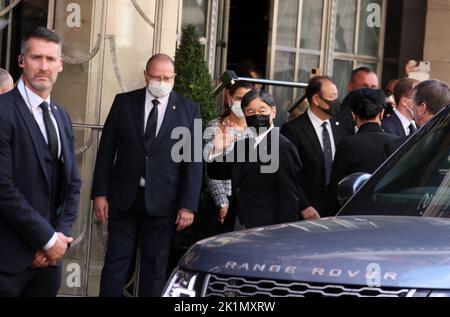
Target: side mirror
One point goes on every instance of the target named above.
(350, 185)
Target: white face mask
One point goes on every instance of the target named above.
(237, 109)
(160, 89)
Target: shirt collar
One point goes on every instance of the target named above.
(32, 100)
(259, 138)
(405, 122)
(316, 121)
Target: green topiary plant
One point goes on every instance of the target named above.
(193, 78)
(194, 82)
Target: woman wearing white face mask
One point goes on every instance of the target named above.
(216, 220)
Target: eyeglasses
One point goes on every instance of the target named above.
(166, 79)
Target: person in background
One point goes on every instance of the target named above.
(401, 122)
(428, 98)
(365, 151)
(216, 219)
(6, 82)
(316, 134)
(248, 68)
(390, 99)
(362, 77)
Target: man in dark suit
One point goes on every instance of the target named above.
(39, 181)
(316, 135)
(138, 187)
(401, 122)
(428, 98)
(263, 170)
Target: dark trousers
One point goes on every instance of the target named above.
(210, 223)
(31, 283)
(126, 231)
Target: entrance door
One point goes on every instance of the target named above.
(248, 35)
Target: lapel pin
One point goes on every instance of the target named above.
(337, 123)
(174, 108)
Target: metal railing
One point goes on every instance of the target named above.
(229, 78)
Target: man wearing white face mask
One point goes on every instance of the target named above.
(138, 188)
(218, 220)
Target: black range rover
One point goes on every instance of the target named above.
(390, 239)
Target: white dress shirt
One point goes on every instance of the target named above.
(162, 107)
(33, 102)
(317, 124)
(405, 122)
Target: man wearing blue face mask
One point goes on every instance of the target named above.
(316, 135)
(138, 188)
(263, 170)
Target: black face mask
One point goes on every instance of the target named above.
(258, 121)
(334, 105)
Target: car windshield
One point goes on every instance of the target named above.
(415, 181)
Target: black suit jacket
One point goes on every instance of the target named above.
(300, 131)
(363, 152)
(393, 125)
(26, 220)
(122, 158)
(345, 118)
(261, 199)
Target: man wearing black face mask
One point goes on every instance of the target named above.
(264, 170)
(316, 135)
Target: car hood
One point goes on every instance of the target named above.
(408, 252)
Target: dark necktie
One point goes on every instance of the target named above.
(152, 124)
(52, 136)
(327, 151)
(412, 129)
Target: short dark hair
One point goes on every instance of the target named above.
(41, 33)
(435, 94)
(363, 69)
(257, 94)
(159, 58)
(315, 86)
(241, 84)
(404, 88)
(367, 103)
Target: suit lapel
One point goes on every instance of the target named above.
(65, 141)
(169, 119)
(33, 130)
(138, 107)
(399, 125)
(311, 134)
(242, 169)
(337, 131)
